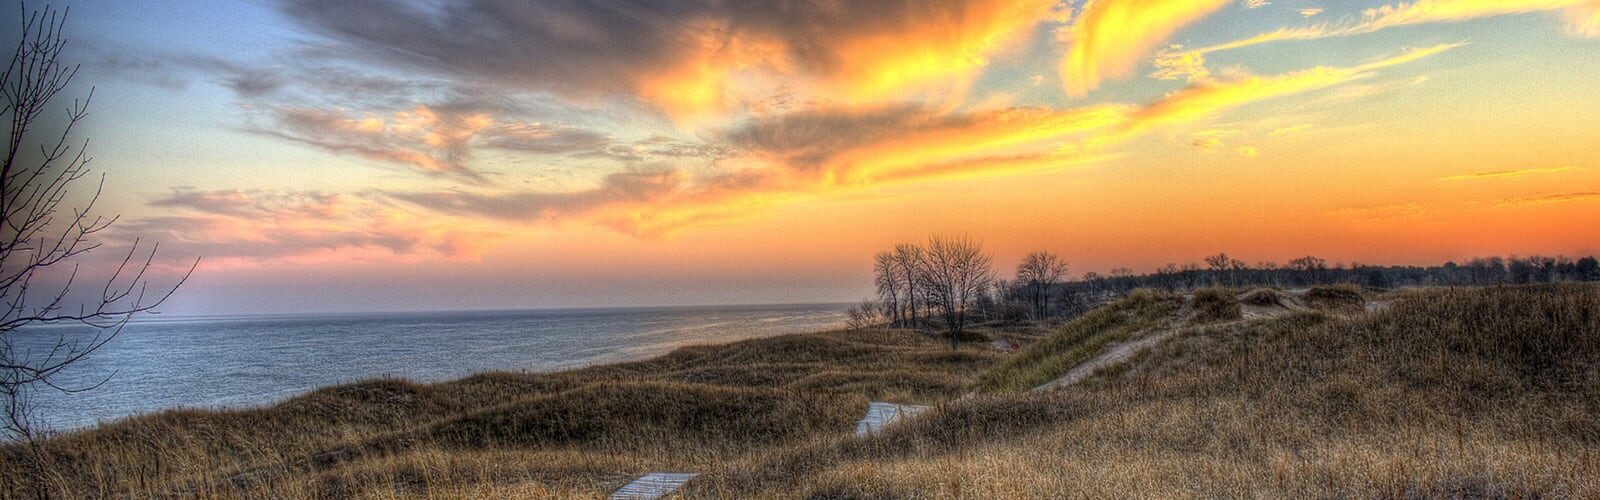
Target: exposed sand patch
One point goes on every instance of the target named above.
(1255, 305)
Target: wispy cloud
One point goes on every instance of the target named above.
(1208, 97)
(1509, 174)
(1582, 18)
(432, 140)
(254, 227)
(1384, 212)
(1545, 199)
(815, 152)
(1108, 38)
(803, 154)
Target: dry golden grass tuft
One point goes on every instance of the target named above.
(1213, 305)
(1264, 297)
(1464, 393)
(1339, 298)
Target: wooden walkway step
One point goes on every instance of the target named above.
(652, 486)
(882, 414)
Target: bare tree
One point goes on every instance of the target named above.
(1039, 272)
(1311, 268)
(46, 233)
(864, 315)
(886, 275)
(955, 271)
(1219, 267)
(908, 260)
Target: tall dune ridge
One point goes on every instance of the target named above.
(1473, 392)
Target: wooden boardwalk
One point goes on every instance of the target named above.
(652, 486)
(882, 414)
(660, 484)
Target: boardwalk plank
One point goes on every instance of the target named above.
(652, 486)
(882, 414)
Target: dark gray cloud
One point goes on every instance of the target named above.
(177, 71)
(663, 148)
(585, 48)
(806, 139)
(318, 102)
(539, 138)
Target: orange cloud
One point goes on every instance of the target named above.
(929, 46)
(948, 45)
(690, 60)
(821, 151)
(1109, 37)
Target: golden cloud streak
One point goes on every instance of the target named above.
(1582, 16)
(1206, 98)
(726, 69)
(923, 146)
(1545, 199)
(1508, 174)
(1109, 37)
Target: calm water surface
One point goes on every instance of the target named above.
(164, 363)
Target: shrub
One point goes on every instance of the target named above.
(1265, 297)
(1341, 298)
(1215, 304)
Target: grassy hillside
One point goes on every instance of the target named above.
(1483, 392)
(1082, 339)
(577, 433)
(1473, 393)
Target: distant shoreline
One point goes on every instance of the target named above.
(165, 318)
(246, 362)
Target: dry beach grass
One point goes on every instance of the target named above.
(1456, 393)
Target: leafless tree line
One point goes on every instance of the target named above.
(950, 282)
(910, 296)
(1037, 277)
(1225, 271)
(940, 283)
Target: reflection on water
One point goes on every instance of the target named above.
(241, 361)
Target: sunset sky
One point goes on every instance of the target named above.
(390, 155)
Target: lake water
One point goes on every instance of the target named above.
(159, 363)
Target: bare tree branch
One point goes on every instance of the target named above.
(47, 225)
